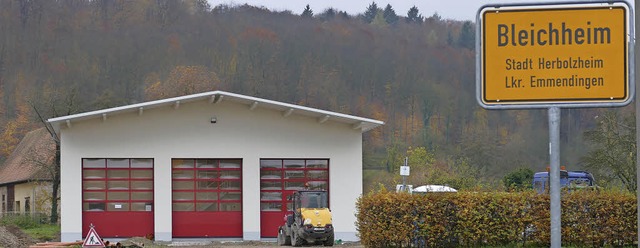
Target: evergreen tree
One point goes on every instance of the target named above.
(414, 16)
(449, 38)
(328, 14)
(435, 17)
(467, 38)
(371, 12)
(390, 15)
(379, 20)
(307, 13)
(343, 15)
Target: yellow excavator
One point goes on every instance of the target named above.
(310, 222)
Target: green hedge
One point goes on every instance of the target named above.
(589, 218)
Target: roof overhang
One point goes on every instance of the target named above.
(213, 97)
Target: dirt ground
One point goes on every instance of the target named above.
(12, 236)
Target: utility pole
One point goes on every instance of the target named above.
(637, 69)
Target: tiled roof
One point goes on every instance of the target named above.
(29, 159)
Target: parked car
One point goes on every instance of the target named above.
(432, 188)
(568, 179)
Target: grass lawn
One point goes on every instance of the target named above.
(44, 232)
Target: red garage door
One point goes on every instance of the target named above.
(117, 197)
(207, 198)
(280, 178)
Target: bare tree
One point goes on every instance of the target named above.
(40, 157)
(57, 106)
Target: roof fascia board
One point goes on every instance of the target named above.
(303, 108)
(207, 95)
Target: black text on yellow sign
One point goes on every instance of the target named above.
(554, 55)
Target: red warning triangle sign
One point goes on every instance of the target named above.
(93, 239)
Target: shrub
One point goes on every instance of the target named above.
(589, 218)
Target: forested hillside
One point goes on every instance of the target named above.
(416, 74)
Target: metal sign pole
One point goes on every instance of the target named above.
(554, 176)
(404, 177)
(637, 63)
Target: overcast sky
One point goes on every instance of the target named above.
(450, 9)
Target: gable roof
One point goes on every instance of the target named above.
(364, 124)
(27, 161)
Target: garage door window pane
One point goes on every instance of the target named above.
(93, 206)
(141, 185)
(318, 164)
(230, 185)
(206, 196)
(93, 163)
(320, 174)
(207, 185)
(93, 174)
(207, 174)
(93, 196)
(271, 164)
(271, 196)
(142, 174)
(118, 185)
(206, 163)
(182, 163)
(141, 206)
(182, 174)
(271, 206)
(230, 164)
(268, 185)
(141, 196)
(93, 185)
(293, 164)
(270, 174)
(117, 163)
(230, 174)
(186, 206)
(230, 206)
(318, 185)
(183, 185)
(207, 206)
(118, 206)
(142, 163)
(293, 185)
(114, 174)
(293, 174)
(183, 196)
(230, 196)
(118, 196)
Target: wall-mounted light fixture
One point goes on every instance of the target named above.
(214, 120)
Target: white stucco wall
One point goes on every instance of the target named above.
(165, 133)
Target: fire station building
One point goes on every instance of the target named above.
(208, 165)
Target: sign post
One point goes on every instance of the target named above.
(554, 176)
(404, 172)
(553, 56)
